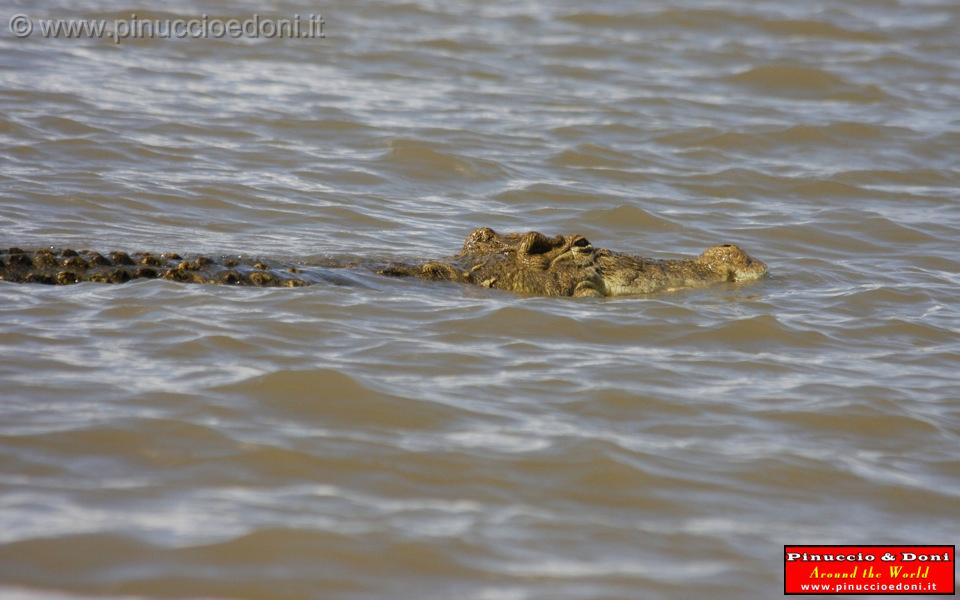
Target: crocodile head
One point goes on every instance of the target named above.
(568, 265)
(730, 262)
(530, 263)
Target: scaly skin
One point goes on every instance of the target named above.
(66, 266)
(524, 263)
(568, 265)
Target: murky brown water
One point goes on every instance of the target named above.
(396, 439)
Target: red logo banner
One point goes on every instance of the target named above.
(879, 570)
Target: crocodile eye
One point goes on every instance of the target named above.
(535, 242)
(581, 243)
(482, 234)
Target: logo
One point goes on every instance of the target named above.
(875, 570)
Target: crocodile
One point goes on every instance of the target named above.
(530, 264)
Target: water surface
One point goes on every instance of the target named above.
(396, 439)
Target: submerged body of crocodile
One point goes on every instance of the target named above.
(524, 263)
(65, 266)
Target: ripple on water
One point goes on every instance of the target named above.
(593, 156)
(551, 195)
(331, 397)
(713, 20)
(756, 333)
(629, 217)
(622, 405)
(803, 82)
(913, 332)
(431, 162)
(863, 422)
(525, 321)
(147, 443)
(840, 134)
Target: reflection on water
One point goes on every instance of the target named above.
(391, 438)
